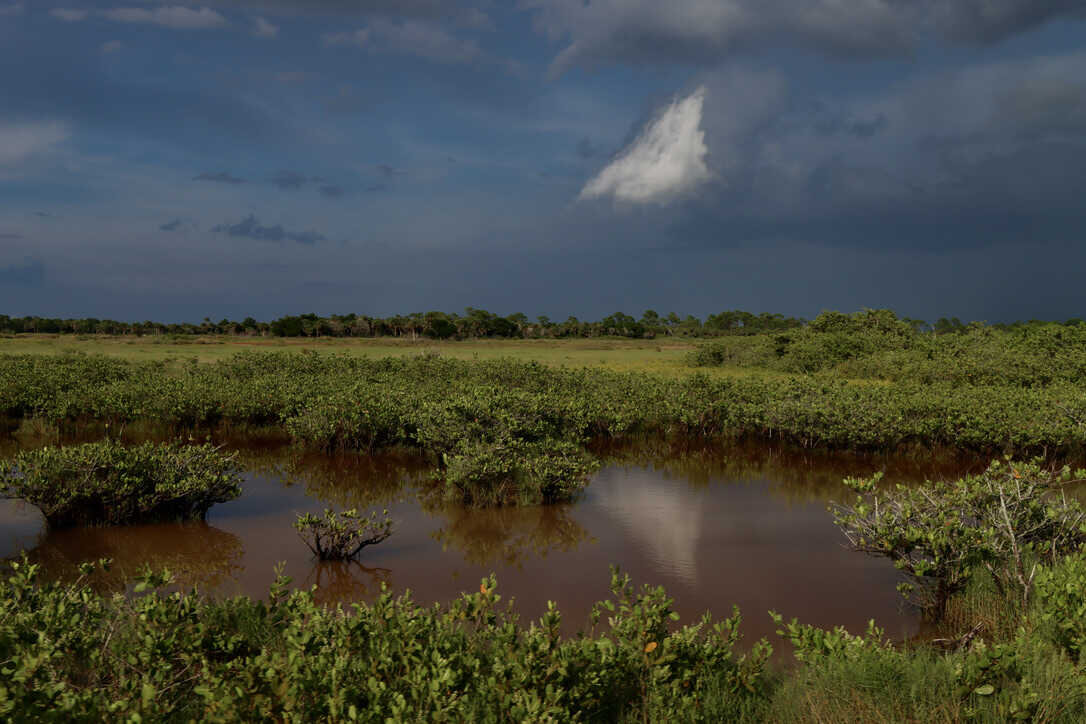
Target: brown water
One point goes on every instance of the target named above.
(743, 525)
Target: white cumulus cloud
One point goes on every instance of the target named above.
(665, 161)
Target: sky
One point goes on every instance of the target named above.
(232, 158)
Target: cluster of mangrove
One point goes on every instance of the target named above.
(504, 431)
(878, 345)
(1014, 615)
(106, 483)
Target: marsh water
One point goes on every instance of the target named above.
(715, 525)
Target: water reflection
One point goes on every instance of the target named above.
(345, 480)
(20, 526)
(795, 474)
(199, 555)
(509, 536)
(664, 520)
(716, 524)
(346, 581)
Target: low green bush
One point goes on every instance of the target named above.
(68, 654)
(875, 344)
(341, 536)
(468, 412)
(1003, 521)
(1061, 596)
(512, 471)
(106, 483)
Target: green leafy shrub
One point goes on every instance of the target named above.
(68, 653)
(1003, 520)
(473, 413)
(341, 536)
(106, 483)
(1061, 598)
(510, 470)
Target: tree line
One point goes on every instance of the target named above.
(472, 324)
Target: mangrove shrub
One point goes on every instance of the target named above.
(1004, 521)
(341, 536)
(106, 483)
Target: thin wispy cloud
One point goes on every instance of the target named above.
(177, 17)
(251, 228)
(224, 177)
(69, 15)
(289, 180)
(412, 37)
(19, 142)
(665, 161)
(263, 29)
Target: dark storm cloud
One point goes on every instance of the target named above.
(469, 14)
(990, 154)
(53, 84)
(693, 31)
(171, 225)
(289, 180)
(250, 228)
(331, 191)
(31, 273)
(988, 21)
(224, 177)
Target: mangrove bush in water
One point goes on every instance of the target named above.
(106, 483)
(510, 432)
(334, 401)
(341, 536)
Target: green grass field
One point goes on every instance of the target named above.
(663, 356)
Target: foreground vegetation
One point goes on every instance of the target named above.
(1013, 635)
(67, 653)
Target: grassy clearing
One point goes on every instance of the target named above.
(667, 357)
